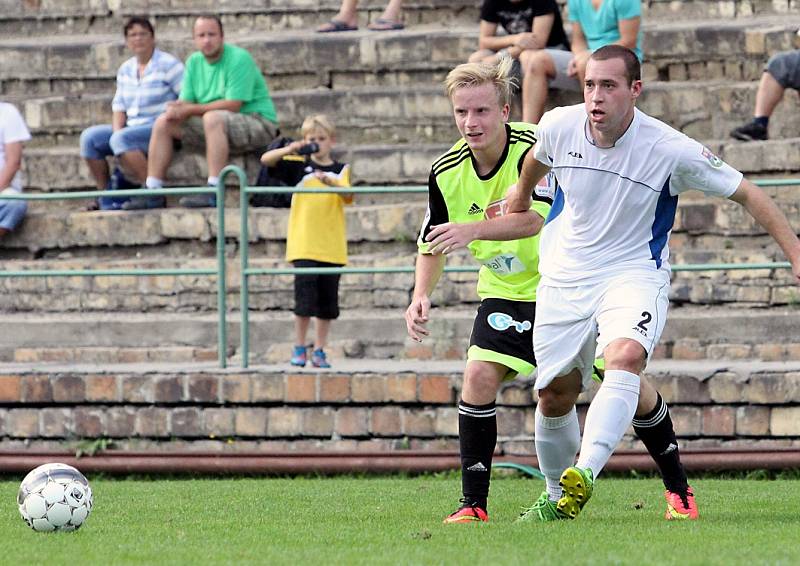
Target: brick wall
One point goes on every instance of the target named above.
(310, 410)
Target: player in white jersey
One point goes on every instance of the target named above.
(604, 257)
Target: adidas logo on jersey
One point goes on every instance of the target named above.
(475, 209)
(479, 467)
(575, 154)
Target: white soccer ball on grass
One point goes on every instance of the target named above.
(54, 497)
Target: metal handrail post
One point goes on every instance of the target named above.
(222, 302)
(244, 287)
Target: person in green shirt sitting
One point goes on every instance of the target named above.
(224, 106)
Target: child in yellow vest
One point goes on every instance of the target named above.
(317, 233)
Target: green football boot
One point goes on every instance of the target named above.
(576, 489)
(542, 511)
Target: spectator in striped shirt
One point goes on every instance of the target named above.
(145, 83)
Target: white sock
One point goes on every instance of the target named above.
(609, 416)
(154, 183)
(557, 441)
(212, 181)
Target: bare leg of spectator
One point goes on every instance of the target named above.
(159, 157)
(347, 18)
(322, 327)
(537, 69)
(390, 18)
(217, 149)
(134, 165)
(392, 11)
(99, 170)
(769, 95)
(301, 324)
(160, 150)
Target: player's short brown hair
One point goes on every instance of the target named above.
(633, 68)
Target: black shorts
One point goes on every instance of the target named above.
(503, 333)
(316, 295)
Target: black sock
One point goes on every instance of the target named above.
(658, 435)
(477, 434)
(762, 120)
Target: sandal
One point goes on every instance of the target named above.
(384, 24)
(333, 26)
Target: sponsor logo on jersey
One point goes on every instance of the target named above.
(505, 264)
(502, 321)
(495, 209)
(715, 161)
(575, 154)
(474, 209)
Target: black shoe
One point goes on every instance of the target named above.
(142, 203)
(749, 132)
(198, 201)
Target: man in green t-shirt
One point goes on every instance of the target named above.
(224, 105)
(466, 209)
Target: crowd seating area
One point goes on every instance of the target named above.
(58, 61)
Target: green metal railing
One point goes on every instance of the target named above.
(247, 271)
(219, 271)
(244, 243)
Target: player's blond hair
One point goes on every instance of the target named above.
(478, 74)
(318, 122)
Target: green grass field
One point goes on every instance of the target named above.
(398, 521)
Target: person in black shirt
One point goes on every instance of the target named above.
(532, 27)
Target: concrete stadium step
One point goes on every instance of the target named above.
(92, 17)
(198, 293)
(68, 231)
(25, 19)
(706, 49)
(194, 293)
(418, 114)
(706, 110)
(61, 167)
(362, 405)
(691, 333)
(718, 220)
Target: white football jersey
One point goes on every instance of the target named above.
(613, 209)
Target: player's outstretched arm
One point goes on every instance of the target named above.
(429, 269)
(761, 207)
(451, 236)
(518, 198)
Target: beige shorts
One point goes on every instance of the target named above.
(246, 132)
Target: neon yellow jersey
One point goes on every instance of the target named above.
(456, 193)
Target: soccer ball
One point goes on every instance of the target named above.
(54, 497)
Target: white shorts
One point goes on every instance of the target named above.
(575, 324)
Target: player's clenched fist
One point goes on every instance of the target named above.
(417, 318)
(449, 237)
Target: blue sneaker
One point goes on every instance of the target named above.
(319, 359)
(298, 356)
